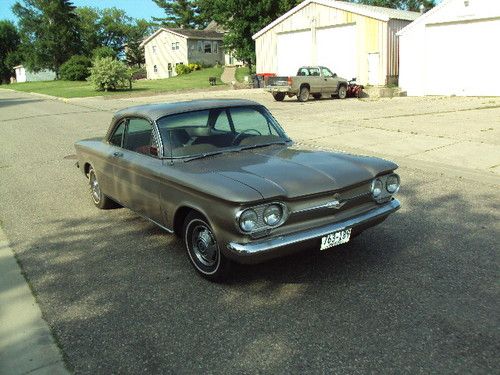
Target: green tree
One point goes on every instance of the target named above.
(49, 32)
(90, 32)
(101, 52)
(413, 5)
(9, 43)
(135, 35)
(242, 19)
(106, 27)
(180, 13)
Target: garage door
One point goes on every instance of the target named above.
(462, 59)
(293, 51)
(336, 49)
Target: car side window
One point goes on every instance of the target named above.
(222, 122)
(117, 137)
(314, 72)
(139, 136)
(326, 72)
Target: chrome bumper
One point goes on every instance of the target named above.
(278, 89)
(270, 247)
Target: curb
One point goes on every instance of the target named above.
(26, 343)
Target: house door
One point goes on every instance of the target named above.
(293, 51)
(373, 68)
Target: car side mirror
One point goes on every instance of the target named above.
(334, 75)
(153, 150)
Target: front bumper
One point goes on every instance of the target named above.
(261, 250)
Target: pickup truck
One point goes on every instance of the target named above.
(315, 80)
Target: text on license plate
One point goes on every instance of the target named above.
(335, 238)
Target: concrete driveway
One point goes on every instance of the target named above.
(419, 293)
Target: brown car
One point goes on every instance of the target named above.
(224, 176)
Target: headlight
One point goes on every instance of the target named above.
(273, 215)
(248, 220)
(377, 187)
(392, 183)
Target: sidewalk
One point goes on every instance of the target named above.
(26, 343)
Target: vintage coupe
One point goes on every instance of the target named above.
(224, 176)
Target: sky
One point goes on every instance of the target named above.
(134, 8)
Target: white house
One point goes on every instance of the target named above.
(453, 49)
(353, 40)
(167, 47)
(23, 75)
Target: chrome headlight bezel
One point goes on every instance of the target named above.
(266, 215)
(388, 182)
(262, 224)
(241, 217)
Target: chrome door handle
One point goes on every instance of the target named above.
(117, 154)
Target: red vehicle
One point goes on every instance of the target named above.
(353, 89)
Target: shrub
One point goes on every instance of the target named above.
(76, 68)
(194, 67)
(182, 69)
(138, 73)
(102, 52)
(109, 74)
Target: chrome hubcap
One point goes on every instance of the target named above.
(204, 245)
(94, 187)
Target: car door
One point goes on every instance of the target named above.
(315, 80)
(137, 170)
(330, 81)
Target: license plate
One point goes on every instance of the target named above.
(335, 238)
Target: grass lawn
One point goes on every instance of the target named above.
(76, 89)
(243, 71)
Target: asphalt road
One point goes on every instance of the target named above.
(417, 294)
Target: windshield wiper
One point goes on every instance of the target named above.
(206, 154)
(265, 144)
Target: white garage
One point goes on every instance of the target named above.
(452, 50)
(353, 40)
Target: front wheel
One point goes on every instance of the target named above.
(279, 96)
(202, 248)
(342, 92)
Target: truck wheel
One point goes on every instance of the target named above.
(303, 94)
(279, 96)
(317, 96)
(342, 92)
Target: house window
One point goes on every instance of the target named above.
(200, 46)
(215, 47)
(154, 49)
(155, 69)
(175, 46)
(207, 47)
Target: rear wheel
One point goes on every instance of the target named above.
(317, 96)
(279, 96)
(342, 92)
(99, 199)
(303, 94)
(202, 248)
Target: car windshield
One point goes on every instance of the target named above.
(216, 130)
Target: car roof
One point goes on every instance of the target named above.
(159, 110)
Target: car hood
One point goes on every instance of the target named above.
(279, 171)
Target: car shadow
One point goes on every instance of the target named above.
(121, 296)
